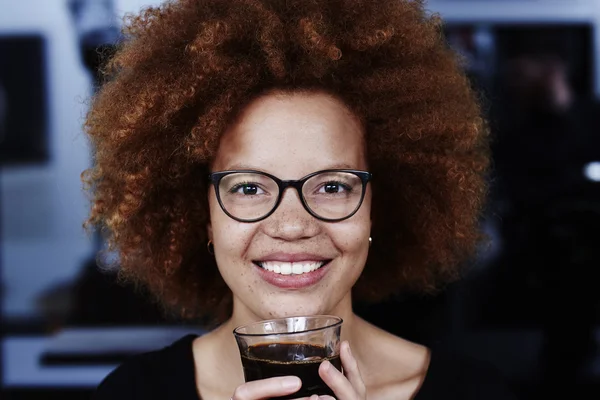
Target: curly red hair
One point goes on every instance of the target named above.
(186, 70)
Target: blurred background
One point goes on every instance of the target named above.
(529, 306)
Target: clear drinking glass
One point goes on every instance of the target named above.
(291, 346)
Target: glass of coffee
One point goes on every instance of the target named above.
(291, 346)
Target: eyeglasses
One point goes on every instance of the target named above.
(330, 195)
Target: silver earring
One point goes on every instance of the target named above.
(370, 241)
(210, 247)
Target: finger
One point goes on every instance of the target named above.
(313, 397)
(267, 388)
(342, 388)
(351, 369)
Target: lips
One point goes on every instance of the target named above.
(292, 271)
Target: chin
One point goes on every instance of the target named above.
(293, 311)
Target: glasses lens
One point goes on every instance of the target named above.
(333, 195)
(248, 196)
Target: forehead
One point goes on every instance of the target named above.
(293, 133)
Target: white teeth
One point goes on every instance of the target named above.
(287, 268)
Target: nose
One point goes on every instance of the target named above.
(290, 221)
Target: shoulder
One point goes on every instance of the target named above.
(399, 368)
(152, 375)
(458, 376)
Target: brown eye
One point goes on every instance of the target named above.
(332, 188)
(247, 189)
(250, 189)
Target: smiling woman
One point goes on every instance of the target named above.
(332, 229)
(248, 153)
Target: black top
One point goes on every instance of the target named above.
(169, 374)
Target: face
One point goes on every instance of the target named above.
(291, 136)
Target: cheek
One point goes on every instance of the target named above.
(359, 226)
(352, 238)
(231, 238)
(231, 241)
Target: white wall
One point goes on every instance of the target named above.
(127, 6)
(43, 207)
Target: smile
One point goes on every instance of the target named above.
(291, 268)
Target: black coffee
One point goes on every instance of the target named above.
(305, 365)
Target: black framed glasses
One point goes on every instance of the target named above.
(330, 195)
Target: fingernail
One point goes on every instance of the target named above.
(348, 348)
(326, 365)
(290, 382)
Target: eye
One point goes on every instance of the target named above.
(247, 189)
(334, 188)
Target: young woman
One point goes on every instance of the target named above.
(258, 159)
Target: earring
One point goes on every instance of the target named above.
(210, 247)
(370, 241)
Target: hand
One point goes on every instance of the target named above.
(348, 387)
(267, 388)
